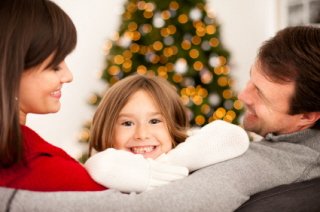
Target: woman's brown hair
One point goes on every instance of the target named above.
(163, 93)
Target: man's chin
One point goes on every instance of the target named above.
(250, 123)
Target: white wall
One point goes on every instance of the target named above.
(245, 24)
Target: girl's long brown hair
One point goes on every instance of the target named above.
(164, 95)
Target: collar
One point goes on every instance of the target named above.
(308, 137)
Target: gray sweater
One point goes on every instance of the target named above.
(224, 186)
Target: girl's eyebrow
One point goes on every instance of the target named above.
(132, 114)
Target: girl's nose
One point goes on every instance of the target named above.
(141, 132)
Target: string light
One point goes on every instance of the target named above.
(206, 77)
(131, 7)
(118, 59)
(114, 70)
(142, 70)
(194, 53)
(93, 99)
(134, 48)
(165, 15)
(148, 14)
(186, 44)
(210, 29)
(196, 40)
(127, 54)
(145, 28)
(177, 78)
(157, 45)
(198, 66)
(227, 94)
(185, 99)
(132, 26)
(183, 18)
(200, 120)
(223, 81)
(238, 105)
(127, 65)
(174, 5)
(164, 32)
(220, 112)
(214, 42)
(172, 29)
(205, 109)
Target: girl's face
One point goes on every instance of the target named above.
(141, 128)
(40, 88)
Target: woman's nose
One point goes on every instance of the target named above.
(66, 75)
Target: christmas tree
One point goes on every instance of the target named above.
(179, 41)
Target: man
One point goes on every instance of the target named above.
(282, 99)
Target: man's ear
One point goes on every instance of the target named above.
(310, 118)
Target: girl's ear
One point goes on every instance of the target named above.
(310, 118)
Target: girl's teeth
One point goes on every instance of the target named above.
(142, 150)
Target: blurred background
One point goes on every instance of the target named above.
(243, 26)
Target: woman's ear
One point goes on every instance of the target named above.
(310, 118)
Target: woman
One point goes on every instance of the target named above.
(35, 38)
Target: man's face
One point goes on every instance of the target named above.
(267, 105)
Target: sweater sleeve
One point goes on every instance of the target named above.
(217, 141)
(55, 173)
(128, 172)
(46, 167)
(204, 190)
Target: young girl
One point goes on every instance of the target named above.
(138, 123)
(35, 38)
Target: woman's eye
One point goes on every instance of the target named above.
(155, 121)
(127, 123)
(57, 68)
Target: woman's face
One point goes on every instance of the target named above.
(40, 88)
(141, 128)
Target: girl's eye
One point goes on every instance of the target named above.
(127, 123)
(155, 121)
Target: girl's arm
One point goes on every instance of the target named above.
(128, 172)
(215, 142)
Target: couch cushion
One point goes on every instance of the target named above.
(303, 196)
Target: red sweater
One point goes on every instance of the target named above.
(46, 168)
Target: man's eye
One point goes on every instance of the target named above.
(127, 123)
(155, 121)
